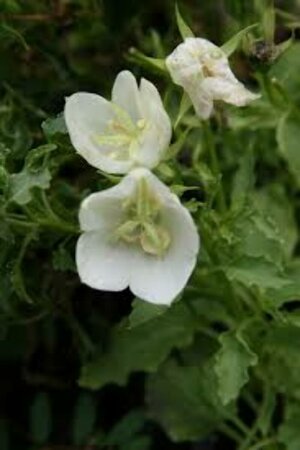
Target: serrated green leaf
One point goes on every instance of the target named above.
(35, 174)
(56, 125)
(22, 184)
(141, 348)
(232, 363)
(288, 138)
(256, 271)
(273, 203)
(184, 401)
(183, 28)
(234, 42)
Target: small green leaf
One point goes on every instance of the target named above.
(184, 29)
(56, 125)
(234, 42)
(35, 174)
(232, 363)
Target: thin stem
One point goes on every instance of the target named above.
(210, 143)
(81, 334)
(239, 424)
(61, 226)
(230, 432)
(263, 443)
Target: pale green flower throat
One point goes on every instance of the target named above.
(142, 222)
(122, 134)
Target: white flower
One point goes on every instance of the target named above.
(131, 130)
(202, 69)
(137, 235)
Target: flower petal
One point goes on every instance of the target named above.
(232, 92)
(101, 263)
(102, 211)
(87, 116)
(125, 93)
(157, 135)
(160, 280)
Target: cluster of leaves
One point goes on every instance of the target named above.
(224, 359)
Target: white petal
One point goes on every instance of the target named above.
(101, 263)
(160, 280)
(202, 101)
(87, 116)
(232, 92)
(125, 93)
(103, 210)
(157, 135)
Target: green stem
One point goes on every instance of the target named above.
(210, 143)
(263, 443)
(59, 226)
(260, 412)
(230, 432)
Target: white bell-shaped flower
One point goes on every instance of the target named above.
(131, 130)
(202, 69)
(137, 234)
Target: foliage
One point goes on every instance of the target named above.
(223, 362)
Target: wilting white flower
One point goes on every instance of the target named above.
(202, 69)
(137, 235)
(133, 129)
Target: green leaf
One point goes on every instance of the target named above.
(279, 358)
(234, 42)
(273, 203)
(126, 429)
(154, 64)
(286, 71)
(142, 347)
(288, 138)
(290, 291)
(184, 400)
(56, 125)
(289, 431)
(256, 271)
(184, 29)
(243, 181)
(232, 363)
(35, 174)
(40, 418)
(143, 311)
(85, 413)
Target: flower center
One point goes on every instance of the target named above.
(122, 134)
(142, 222)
